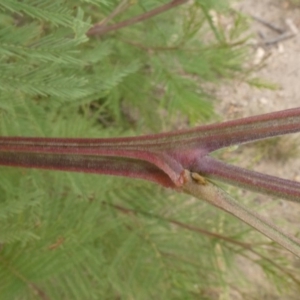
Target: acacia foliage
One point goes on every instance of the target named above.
(74, 236)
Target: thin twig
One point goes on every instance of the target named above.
(282, 37)
(150, 48)
(33, 287)
(197, 186)
(268, 24)
(119, 9)
(293, 28)
(208, 234)
(286, 35)
(269, 260)
(98, 30)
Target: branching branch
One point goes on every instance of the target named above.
(168, 159)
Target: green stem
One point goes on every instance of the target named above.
(197, 186)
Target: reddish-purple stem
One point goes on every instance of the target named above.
(262, 183)
(120, 166)
(162, 157)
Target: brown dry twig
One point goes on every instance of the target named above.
(283, 34)
(268, 24)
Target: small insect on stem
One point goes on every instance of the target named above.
(198, 178)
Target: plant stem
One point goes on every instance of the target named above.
(99, 29)
(119, 9)
(207, 191)
(250, 180)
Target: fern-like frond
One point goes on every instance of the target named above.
(53, 11)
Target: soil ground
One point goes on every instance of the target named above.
(282, 68)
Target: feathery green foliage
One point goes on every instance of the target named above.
(78, 236)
